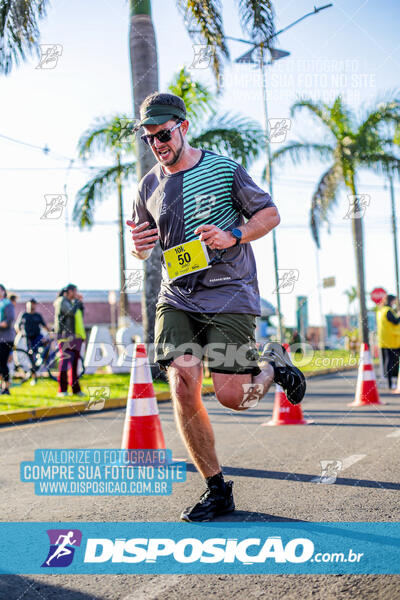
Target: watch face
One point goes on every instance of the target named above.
(237, 233)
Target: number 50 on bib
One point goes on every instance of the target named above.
(186, 258)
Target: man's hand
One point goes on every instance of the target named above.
(214, 237)
(144, 239)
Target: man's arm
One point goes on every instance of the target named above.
(256, 227)
(144, 239)
(392, 318)
(9, 316)
(261, 223)
(254, 204)
(143, 227)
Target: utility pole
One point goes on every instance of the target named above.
(275, 55)
(394, 229)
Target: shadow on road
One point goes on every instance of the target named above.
(302, 477)
(16, 587)
(245, 516)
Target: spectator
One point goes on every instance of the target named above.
(68, 325)
(29, 323)
(295, 341)
(7, 334)
(13, 300)
(389, 339)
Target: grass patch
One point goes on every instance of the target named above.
(329, 359)
(44, 393)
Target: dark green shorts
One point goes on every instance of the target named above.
(226, 340)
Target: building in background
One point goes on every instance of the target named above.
(99, 305)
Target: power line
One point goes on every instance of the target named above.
(45, 149)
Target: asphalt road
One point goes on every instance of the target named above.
(274, 470)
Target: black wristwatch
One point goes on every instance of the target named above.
(237, 234)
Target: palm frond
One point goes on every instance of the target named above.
(318, 109)
(384, 113)
(297, 151)
(96, 190)
(198, 98)
(19, 32)
(340, 116)
(203, 20)
(257, 19)
(238, 137)
(382, 163)
(324, 198)
(107, 134)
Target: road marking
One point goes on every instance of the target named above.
(395, 433)
(350, 460)
(345, 464)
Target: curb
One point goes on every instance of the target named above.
(13, 417)
(22, 415)
(333, 371)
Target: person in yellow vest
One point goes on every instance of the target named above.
(70, 330)
(389, 339)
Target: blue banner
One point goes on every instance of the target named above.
(218, 547)
(102, 472)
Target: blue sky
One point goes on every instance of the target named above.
(350, 49)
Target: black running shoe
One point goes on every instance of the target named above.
(289, 377)
(5, 392)
(211, 504)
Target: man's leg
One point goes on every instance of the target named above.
(191, 415)
(63, 367)
(240, 392)
(76, 345)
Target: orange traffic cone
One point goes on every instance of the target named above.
(142, 428)
(285, 413)
(366, 389)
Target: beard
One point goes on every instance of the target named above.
(175, 155)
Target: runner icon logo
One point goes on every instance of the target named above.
(62, 547)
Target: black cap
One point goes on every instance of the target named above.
(156, 114)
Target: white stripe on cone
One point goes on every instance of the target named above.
(140, 372)
(368, 376)
(142, 407)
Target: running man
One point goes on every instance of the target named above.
(62, 549)
(205, 210)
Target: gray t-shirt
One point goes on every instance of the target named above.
(7, 313)
(216, 191)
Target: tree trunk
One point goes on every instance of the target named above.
(123, 297)
(144, 67)
(358, 242)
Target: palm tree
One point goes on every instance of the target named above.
(231, 134)
(19, 33)
(351, 146)
(107, 135)
(351, 294)
(203, 20)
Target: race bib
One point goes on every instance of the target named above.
(186, 258)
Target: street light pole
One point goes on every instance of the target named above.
(269, 176)
(275, 55)
(394, 229)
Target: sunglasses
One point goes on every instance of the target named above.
(163, 136)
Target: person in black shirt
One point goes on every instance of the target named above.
(29, 323)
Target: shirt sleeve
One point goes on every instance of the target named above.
(140, 213)
(9, 314)
(247, 197)
(392, 318)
